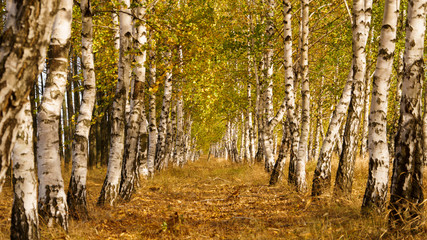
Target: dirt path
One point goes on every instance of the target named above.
(219, 200)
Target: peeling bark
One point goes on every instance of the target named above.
(23, 47)
(76, 196)
(152, 129)
(110, 188)
(52, 199)
(137, 114)
(25, 221)
(362, 17)
(406, 182)
(302, 156)
(289, 100)
(376, 187)
(164, 115)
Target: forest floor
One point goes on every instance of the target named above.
(219, 200)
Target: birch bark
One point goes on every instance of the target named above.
(129, 167)
(362, 17)
(283, 151)
(152, 129)
(76, 196)
(302, 157)
(251, 133)
(268, 92)
(110, 188)
(365, 126)
(25, 221)
(288, 104)
(23, 48)
(52, 199)
(164, 115)
(179, 138)
(406, 182)
(322, 173)
(376, 187)
(289, 87)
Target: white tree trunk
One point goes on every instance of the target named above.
(187, 139)
(76, 196)
(110, 188)
(142, 169)
(22, 59)
(164, 115)
(259, 155)
(289, 100)
(52, 200)
(366, 94)
(179, 138)
(319, 125)
(322, 173)
(302, 156)
(365, 126)
(25, 220)
(179, 145)
(133, 130)
(376, 187)
(268, 92)
(406, 182)
(170, 136)
(251, 131)
(362, 18)
(152, 129)
(244, 156)
(283, 151)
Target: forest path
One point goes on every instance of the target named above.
(218, 200)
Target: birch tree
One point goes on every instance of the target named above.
(288, 103)
(52, 199)
(362, 18)
(110, 188)
(376, 187)
(302, 157)
(25, 221)
(23, 48)
(179, 138)
(164, 115)
(406, 182)
(283, 151)
(268, 92)
(152, 129)
(76, 196)
(137, 113)
(322, 173)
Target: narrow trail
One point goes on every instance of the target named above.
(217, 200)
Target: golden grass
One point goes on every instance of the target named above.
(220, 200)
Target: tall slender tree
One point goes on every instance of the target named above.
(137, 113)
(268, 87)
(362, 10)
(110, 188)
(25, 221)
(52, 199)
(288, 104)
(179, 138)
(406, 182)
(376, 187)
(302, 157)
(24, 41)
(76, 196)
(164, 114)
(152, 129)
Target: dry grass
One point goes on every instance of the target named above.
(220, 200)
